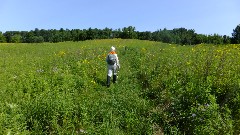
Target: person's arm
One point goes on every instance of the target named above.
(118, 64)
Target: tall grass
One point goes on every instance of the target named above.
(162, 89)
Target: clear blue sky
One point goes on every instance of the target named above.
(204, 16)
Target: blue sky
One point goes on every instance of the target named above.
(204, 16)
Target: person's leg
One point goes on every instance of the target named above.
(108, 81)
(114, 74)
(109, 75)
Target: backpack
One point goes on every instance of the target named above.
(111, 59)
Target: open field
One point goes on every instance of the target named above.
(59, 88)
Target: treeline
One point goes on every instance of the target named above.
(178, 35)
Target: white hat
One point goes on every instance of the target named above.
(112, 48)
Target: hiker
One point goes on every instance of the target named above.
(113, 65)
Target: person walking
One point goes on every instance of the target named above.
(112, 66)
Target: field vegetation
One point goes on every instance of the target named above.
(162, 88)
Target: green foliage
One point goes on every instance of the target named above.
(2, 38)
(128, 33)
(215, 39)
(180, 36)
(236, 34)
(147, 35)
(59, 88)
(16, 39)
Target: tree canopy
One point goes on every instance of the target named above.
(236, 35)
(180, 36)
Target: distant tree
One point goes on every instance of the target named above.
(177, 39)
(82, 35)
(215, 39)
(96, 33)
(61, 34)
(37, 39)
(156, 35)
(106, 33)
(36, 32)
(46, 34)
(166, 36)
(132, 32)
(116, 33)
(125, 33)
(8, 35)
(147, 35)
(29, 37)
(90, 34)
(226, 39)
(12, 36)
(56, 38)
(2, 38)
(53, 36)
(177, 35)
(67, 35)
(200, 38)
(24, 36)
(16, 38)
(190, 37)
(184, 36)
(129, 33)
(236, 35)
(75, 34)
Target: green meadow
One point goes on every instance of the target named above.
(60, 88)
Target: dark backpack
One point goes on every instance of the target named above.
(111, 59)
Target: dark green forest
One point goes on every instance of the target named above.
(180, 36)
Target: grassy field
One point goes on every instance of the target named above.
(60, 88)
